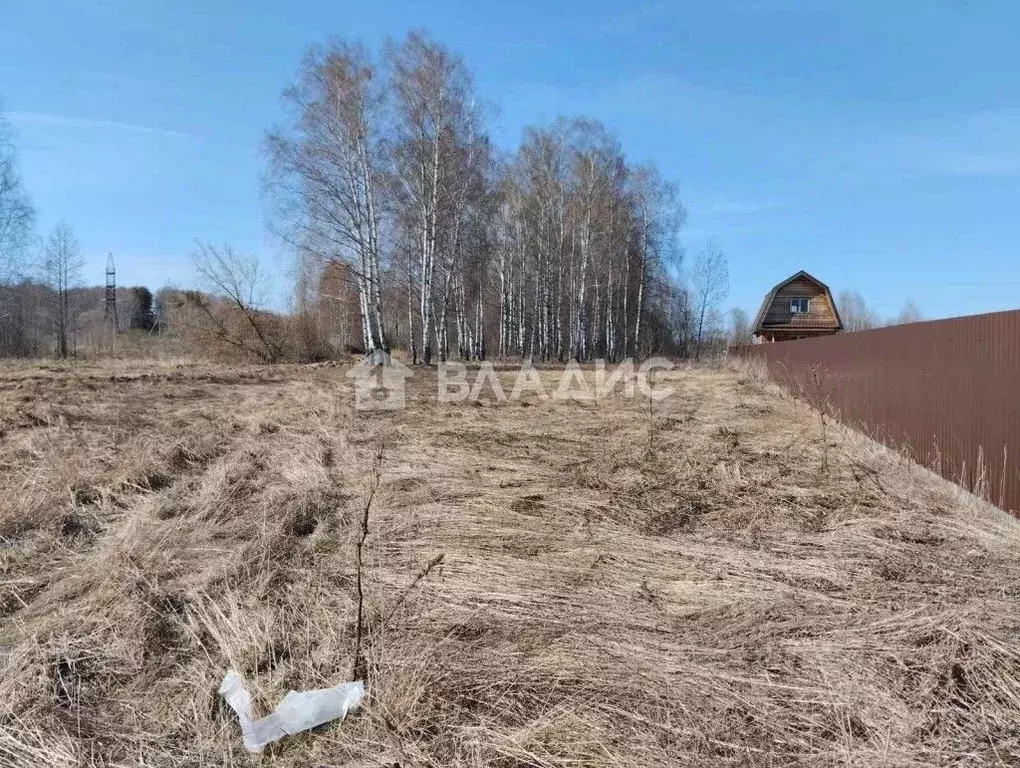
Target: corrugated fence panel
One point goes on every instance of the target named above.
(946, 390)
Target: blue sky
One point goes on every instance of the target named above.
(876, 145)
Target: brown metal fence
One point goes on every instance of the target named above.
(946, 390)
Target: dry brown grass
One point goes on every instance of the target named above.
(716, 600)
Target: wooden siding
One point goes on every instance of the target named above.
(821, 314)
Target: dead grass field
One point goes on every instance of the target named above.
(718, 600)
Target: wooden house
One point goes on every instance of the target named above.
(799, 307)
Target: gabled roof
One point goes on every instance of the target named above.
(771, 296)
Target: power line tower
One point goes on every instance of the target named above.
(110, 320)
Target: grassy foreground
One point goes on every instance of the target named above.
(708, 595)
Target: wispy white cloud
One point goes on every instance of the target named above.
(92, 123)
(735, 206)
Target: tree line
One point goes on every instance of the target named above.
(387, 186)
(858, 316)
(411, 229)
(44, 307)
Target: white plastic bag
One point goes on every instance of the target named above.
(299, 711)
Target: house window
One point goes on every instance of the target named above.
(800, 306)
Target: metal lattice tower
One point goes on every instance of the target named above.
(110, 314)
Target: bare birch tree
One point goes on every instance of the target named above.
(19, 331)
(16, 212)
(596, 175)
(740, 327)
(854, 312)
(658, 217)
(437, 159)
(710, 279)
(325, 172)
(60, 269)
(909, 314)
